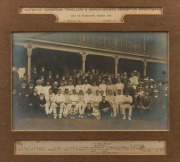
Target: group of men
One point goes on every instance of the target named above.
(91, 95)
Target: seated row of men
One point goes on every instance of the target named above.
(66, 104)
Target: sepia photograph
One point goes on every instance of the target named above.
(90, 81)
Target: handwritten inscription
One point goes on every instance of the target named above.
(90, 148)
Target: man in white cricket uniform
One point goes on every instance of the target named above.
(97, 98)
(119, 85)
(111, 87)
(79, 86)
(46, 88)
(119, 98)
(73, 106)
(50, 96)
(70, 87)
(89, 97)
(59, 101)
(62, 87)
(81, 104)
(134, 80)
(86, 86)
(102, 86)
(111, 99)
(127, 104)
(94, 88)
(39, 87)
(67, 102)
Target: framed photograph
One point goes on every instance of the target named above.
(89, 81)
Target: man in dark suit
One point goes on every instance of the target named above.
(88, 111)
(105, 108)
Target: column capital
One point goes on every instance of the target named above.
(29, 48)
(145, 62)
(116, 59)
(83, 53)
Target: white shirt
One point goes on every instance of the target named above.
(70, 87)
(127, 99)
(74, 98)
(81, 97)
(94, 89)
(62, 89)
(119, 99)
(134, 80)
(111, 87)
(46, 89)
(86, 87)
(119, 86)
(40, 89)
(102, 87)
(59, 98)
(50, 97)
(97, 99)
(110, 99)
(88, 98)
(78, 88)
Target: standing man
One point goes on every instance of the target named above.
(111, 87)
(145, 105)
(15, 77)
(119, 85)
(79, 86)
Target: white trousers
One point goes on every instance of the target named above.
(126, 106)
(81, 107)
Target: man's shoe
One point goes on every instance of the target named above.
(124, 117)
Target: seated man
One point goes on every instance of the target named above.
(111, 99)
(105, 108)
(73, 106)
(118, 101)
(127, 104)
(67, 102)
(81, 104)
(33, 103)
(49, 99)
(90, 113)
(58, 103)
(41, 105)
(89, 97)
(73, 110)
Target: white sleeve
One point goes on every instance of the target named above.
(55, 98)
(85, 98)
(130, 99)
(63, 98)
(116, 100)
